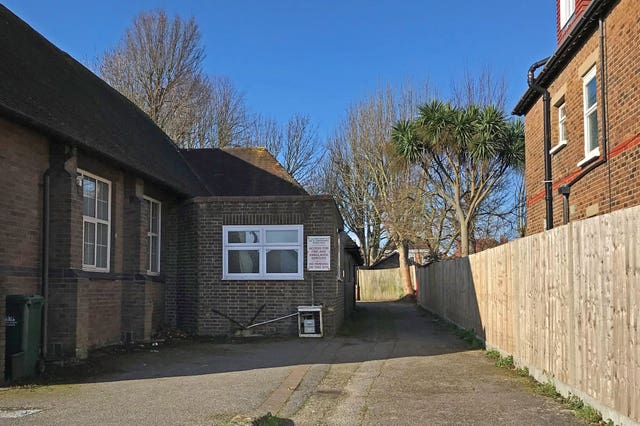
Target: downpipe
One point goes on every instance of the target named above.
(546, 102)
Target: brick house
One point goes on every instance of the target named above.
(124, 234)
(592, 86)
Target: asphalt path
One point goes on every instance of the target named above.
(391, 365)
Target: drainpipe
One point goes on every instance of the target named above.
(45, 260)
(603, 99)
(546, 102)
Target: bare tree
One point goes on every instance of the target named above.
(158, 66)
(295, 145)
(351, 185)
(301, 151)
(380, 193)
(229, 114)
(481, 89)
(266, 132)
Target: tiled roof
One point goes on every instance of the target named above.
(43, 87)
(241, 172)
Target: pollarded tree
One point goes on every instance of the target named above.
(466, 153)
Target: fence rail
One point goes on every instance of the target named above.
(565, 303)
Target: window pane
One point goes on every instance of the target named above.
(282, 261)
(591, 93)
(592, 122)
(103, 201)
(102, 239)
(243, 261)
(89, 243)
(154, 242)
(89, 196)
(282, 236)
(101, 256)
(102, 234)
(243, 236)
(154, 217)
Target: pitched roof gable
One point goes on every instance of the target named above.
(43, 87)
(241, 172)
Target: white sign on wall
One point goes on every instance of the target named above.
(318, 253)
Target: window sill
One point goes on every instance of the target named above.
(261, 278)
(593, 155)
(558, 147)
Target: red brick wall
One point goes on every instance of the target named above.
(562, 32)
(24, 157)
(623, 121)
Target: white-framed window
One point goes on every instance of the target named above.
(590, 116)
(96, 222)
(154, 209)
(567, 8)
(272, 252)
(562, 128)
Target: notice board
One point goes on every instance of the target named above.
(318, 253)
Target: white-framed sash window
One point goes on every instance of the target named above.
(567, 9)
(154, 209)
(96, 222)
(590, 98)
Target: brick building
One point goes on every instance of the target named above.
(124, 234)
(593, 89)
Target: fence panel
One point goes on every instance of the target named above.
(565, 303)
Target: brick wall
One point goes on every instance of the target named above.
(562, 32)
(93, 309)
(24, 157)
(201, 287)
(613, 185)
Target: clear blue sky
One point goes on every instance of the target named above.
(317, 57)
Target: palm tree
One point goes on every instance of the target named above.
(465, 153)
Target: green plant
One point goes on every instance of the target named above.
(269, 420)
(585, 411)
(505, 362)
(469, 336)
(522, 372)
(548, 389)
(493, 354)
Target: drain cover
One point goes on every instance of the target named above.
(16, 413)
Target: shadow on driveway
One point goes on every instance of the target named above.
(377, 330)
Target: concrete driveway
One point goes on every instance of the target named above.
(392, 366)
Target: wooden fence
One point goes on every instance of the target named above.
(564, 303)
(381, 284)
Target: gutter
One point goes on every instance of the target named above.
(27, 121)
